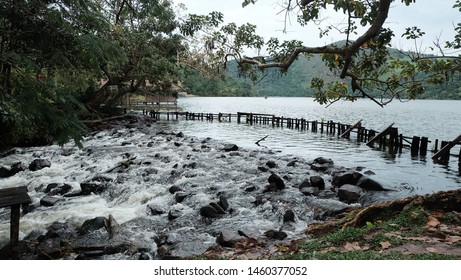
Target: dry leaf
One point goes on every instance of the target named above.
(385, 244)
(432, 250)
(354, 246)
(432, 221)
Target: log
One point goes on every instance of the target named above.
(357, 124)
(380, 135)
(446, 148)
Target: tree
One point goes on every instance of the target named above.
(360, 64)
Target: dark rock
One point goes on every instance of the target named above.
(274, 234)
(250, 189)
(209, 212)
(174, 214)
(57, 189)
(144, 257)
(38, 164)
(180, 134)
(317, 182)
(369, 172)
(289, 216)
(322, 160)
(180, 196)
(271, 164)
(92, 225)
(49, 201)
(259, 200)
(4, 172)
(191, 165)
(321, 164)
(217, 207)
(154, 210)
(292, 163)
(223, 203)
(228, 238)
(50, 249)
(349, 193)
(177, 144)
(369, 184)
(304, 184)
(88, 188)
(350, 178)
(16, 168)
(263, 168)
(230, 148)
(174, 189)
(275, 180)
(309, 191)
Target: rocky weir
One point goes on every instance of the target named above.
(136, 191)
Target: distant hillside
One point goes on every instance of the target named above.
(296, 82)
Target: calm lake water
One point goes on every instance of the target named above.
(435, 119)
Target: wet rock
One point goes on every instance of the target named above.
(49, 201)
(369, 184)
(144, 257)
(289, 216)
(173, 214)
(292, 163)
(177, 144)
(230, 148)
(223, 203)
(304, 184)
(263, 168)
(16, 168)
(317, 182)
(50, 249)
(209, 212)
(275, 183)
(217, 207)
(155, 210)
(88, 188)
(191, 165)
(57, 189)
(369, 172)
(309, 191)
(322, 160)
(180, 196)
(38, 164)
(322, 164)
(275, 234)
(174, 189)
(180, 134)
(349, 193)
(4, 172)
(228, 238)
(250, 189)
(343, 178)
(271, 164)
(92, 225)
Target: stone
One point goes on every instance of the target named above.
(209, 212)
(317, 182)
(174, 189)
(49, 201)
(180, 196)
(89, 188)
(57, 189)
(304, 184)
(223, 203)
(276, 181)
(271, 164)
(228, 238)
(250, 189)
(16, 168)
(38, 164)
(217, 207)
(4, 172)
(180, 135)
(263, 168)
(369, 184)
(349, 193)
(275, 234)
(92, 225)
(154, 210)
(289, 216)
(309, 191)
(174, 214)
(230, 148)
(321, 164)
(344, 178)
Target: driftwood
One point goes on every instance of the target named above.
(262, 139)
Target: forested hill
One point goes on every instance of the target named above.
(296, 82)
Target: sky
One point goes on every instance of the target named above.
(436, 18)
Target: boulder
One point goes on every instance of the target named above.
(228, 238)
(275, 234)
(49, 201)
(230, 148)
(217, 207)
(271, 164)
(209, 212)
(309, 191)
(289, 216)
(369, 184)
(154, 210)
(317, 182)
(223, 203)
(322, 164)
(275, 182)
(4, 172)
(349, 193)
(57, 189)
(38, 164)
(180, 196)
(174, 189)
(92, 225)
(343, 178)
(88, 188)
(17, 167)
(304, 184)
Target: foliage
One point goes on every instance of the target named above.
(363, 66)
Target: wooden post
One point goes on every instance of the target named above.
(400, 143)
(444, 152)
(14, 230)
(238, 117)
(415, 145)
(423, 147)
(444, 157)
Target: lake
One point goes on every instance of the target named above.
(435, 119)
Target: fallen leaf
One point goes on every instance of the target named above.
(432, 250)
(432, 221)
(354, 246)
(385, 244)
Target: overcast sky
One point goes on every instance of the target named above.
(435, 17)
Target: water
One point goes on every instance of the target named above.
(204, 172)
